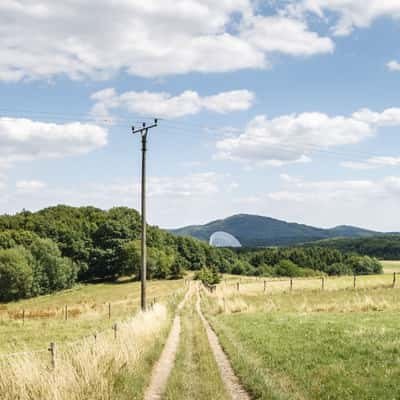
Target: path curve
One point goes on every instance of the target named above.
(163, 367)
(233, 386)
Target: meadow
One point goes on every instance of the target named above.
(309, 343)
(88, 308)
(390, 266)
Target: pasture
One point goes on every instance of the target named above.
(309, 343)
(390, 266)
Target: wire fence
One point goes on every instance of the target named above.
(320, 282)
(69, 311)
(88, 339)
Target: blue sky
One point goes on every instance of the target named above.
(288, 109)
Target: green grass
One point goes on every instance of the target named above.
(195, 374)
(88, 313)
(313, 344)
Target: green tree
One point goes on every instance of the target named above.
(16, 274)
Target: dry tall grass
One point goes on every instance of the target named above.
(373, 293)
(87, 369)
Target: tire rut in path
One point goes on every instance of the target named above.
(164, 365)
(233, 386)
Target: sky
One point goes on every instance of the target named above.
(288, 109)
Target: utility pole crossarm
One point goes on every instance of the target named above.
(143, 130)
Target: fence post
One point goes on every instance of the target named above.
(23, 316)
(265, 285)
(394, 279)
(66, 312)
(52, 350)
(109, 310)
(115, 327)
(354, 283)
(237, 286)
(291, 283)
(322, 283)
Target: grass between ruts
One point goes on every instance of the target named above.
(87, 310)
(195, 375)
(292, 351)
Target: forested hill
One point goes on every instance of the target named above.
(255, 230)
(56, 247)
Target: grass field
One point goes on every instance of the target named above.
(391, 266)
(87, 313)
(311, 344)
(108, 368)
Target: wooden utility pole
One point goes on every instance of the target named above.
(143, 264)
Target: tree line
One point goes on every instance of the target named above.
(385, 247)
(56, 247)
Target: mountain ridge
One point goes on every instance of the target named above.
(257, 230)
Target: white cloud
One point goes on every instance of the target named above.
(373, 162)
(78, 39)
(285, 35)
(23, 139)
(294, 138)
(393, 65)
(164, 105)
(30, 186)
(351, 13)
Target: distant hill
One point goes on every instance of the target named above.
(255, 230)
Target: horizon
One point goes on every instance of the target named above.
(210, 221)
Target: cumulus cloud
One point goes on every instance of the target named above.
(285, 35)
(47, 38)
(393, 65)
(23, 139)
(164, 105)
(351, 13)
(294, 138)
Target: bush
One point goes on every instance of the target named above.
(364, 265)
(208, 276)
(16, 274)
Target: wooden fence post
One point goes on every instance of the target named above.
(52, 350)
(291, 283)
(23, 316)
(109, 310)
(115, 327)
(322, 283)
(354, 282)
(66, 312)
(265, 285)
(394, 279)
(237, 286)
